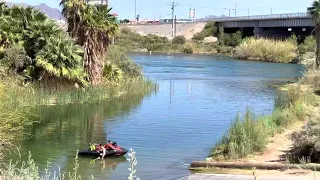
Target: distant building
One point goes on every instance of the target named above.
(97, 2)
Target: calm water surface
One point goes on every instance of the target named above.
(198, 97)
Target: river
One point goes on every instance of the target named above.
(197, 99)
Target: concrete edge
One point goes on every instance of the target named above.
(250, 165)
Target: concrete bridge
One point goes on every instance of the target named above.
(276, 25)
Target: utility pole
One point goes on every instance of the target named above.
(271, 10)
(248, 12)
(194, 14)
(172, 8)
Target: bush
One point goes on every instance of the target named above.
(235, 39)
(262, 49)
(225, 49)
(15, 59)
(210, 29)
(243, 138)
(199, 36)
(232, 40)
(187, 49)
(117, 56)
(179, 40)
(154, 39)
(308, 45)
(163, 47)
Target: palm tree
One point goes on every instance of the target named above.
(3, 8)
(112, 72)
(61, 58)
(93, 27)
(314, 10)
(45, 50)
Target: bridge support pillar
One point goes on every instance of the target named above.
(257, 31)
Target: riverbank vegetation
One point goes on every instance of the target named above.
(29, 170)
(269, 50)
(40, 64)
(244, 137)
(135, 42)
(314, 10)
(213, 40)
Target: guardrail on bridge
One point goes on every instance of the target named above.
(260, 17)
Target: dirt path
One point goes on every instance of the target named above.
(278, 146)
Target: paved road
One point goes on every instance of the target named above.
(243, 177)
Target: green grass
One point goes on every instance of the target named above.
(33, 95)
(13, 119)
(249, 134)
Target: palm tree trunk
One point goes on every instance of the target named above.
(93, 65)
(317, 33)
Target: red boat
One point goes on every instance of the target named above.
(112, 150)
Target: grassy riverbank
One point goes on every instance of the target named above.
(41, 64)
(234, 45)
(267, 50)
(244, 138)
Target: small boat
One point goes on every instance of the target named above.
(112, 150)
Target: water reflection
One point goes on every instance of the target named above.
(64, 129)
(198, 97)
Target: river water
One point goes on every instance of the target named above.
(197, 99)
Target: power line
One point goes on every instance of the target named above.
(253, 8)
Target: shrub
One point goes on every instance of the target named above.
(15, 59)
(116, 55)
(262, 49)
(308, 45)
(232, 40)
(225, 49)
(243, 138)
(235, 39)
(154, 39)
(199, 36)
(179, 40)
(158, 47)
(209, 30)
(187, 49)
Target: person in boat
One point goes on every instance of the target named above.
(111, 146)
(92, 147)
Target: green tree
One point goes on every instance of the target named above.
(93, 27)
(308, 45)
(314, 10)
(221, 36)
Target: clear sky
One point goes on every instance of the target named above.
(150, 9)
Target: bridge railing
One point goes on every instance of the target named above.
(259, 17)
